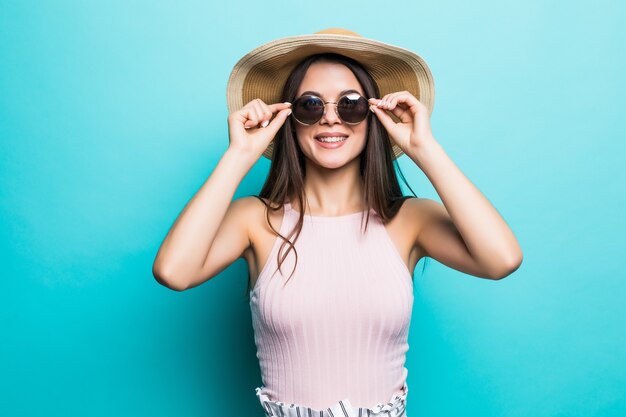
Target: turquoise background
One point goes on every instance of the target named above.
(113, 114)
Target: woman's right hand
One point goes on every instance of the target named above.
(246, 130)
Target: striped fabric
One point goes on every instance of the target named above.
(396, 407)
(338, 329)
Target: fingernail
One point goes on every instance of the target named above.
(247, 127)
(286, 102)
(372, 109)
(265, 123)
(289, 112)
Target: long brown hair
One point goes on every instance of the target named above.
(382, 190)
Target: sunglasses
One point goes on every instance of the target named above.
(351, 108)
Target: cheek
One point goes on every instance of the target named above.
(362, 131)
(300, 135)
(303, 138)
(302, 131)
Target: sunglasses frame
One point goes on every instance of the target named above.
(336, 108)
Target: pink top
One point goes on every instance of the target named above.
(339, 328)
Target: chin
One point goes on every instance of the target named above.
(334, 161)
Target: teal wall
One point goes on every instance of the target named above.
(112, 115)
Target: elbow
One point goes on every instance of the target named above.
(166, 280)
(508, 267)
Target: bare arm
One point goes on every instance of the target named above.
(186, 256)
(185, 248)
(466, 232)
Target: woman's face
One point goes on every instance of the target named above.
(328, 80)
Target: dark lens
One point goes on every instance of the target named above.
(352, 108)
(308, 109)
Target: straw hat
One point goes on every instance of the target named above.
(262, 72)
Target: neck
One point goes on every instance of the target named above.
(333, 192)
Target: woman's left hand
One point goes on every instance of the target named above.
(413, 131)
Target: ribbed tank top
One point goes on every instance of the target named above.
(339, 328)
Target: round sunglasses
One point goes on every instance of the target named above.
(351, 108)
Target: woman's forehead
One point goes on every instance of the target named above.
(329, 80)
(327, 96)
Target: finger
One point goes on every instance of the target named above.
(383, 101)
(378, 102)
(278, 106)
(391, 100)
(402, 113)
(250, 117)
(265, 111)
(402, 105)
(279, 120)
(406, 99)
(258, 108)
(269, 111)
(399, 105)
(394, 100)
(390, 103)
(373, 101)
(255, 113)
(266, 114)
(274, 108)
(384, 118)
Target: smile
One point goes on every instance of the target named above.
(332, 139)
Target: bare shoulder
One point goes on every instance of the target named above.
(248, 205)
(422, 210)
(253, 215)
(403, 229)
(241, 208)
(260, 233)
(415, 213)
(253, 207)
(405, 225)
(422, 205)
(413, 209)
(432, 225)
(246, 210)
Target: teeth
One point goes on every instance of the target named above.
(333, 139)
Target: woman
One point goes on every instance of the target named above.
(332, 302)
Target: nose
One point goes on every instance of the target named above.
(330, 115)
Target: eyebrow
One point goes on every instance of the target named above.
(315, 93)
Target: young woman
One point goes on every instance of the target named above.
(331, 242)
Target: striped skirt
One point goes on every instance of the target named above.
(396, 407)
